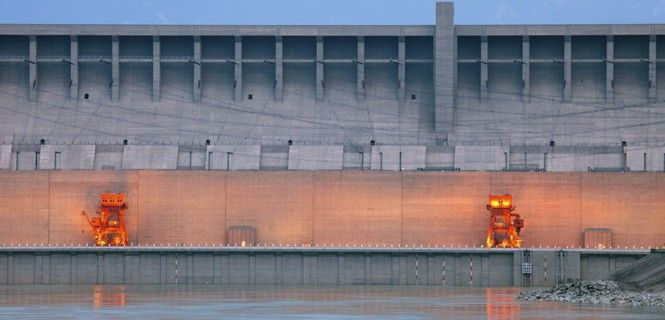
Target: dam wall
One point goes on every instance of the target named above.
(341, 208)
(309, 266)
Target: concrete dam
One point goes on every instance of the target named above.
(330, 154)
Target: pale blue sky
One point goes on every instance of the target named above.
(328, 11)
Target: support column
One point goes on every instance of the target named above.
(652, 69)
(567, 69)
(237, 82)
(196, 61)
(32, 66)
(526, 66)
(74, 68)
(609, 63)
(444, 69)
(279, 69)
(156, 70)
(319, 69)
(484, 79)
(115, 68)
(360, 69)
(401, 69)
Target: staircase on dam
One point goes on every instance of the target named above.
(647, 274)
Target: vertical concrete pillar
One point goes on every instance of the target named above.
(360, 69)
(279, 69)
(196, 61)
(484, 80)
(444, 67)
(74, 68)
(567, 69)
(32, 66)
(237, 82)
(156, 69)
(401, 69)
(526, 91)
(319, 68)
(652, 69)
(115, 68)
(609, 63)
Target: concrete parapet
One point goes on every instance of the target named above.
(67, 157)
(491, 158)
(150, 157)
(316, 157)
(233, 157)
(398, 158)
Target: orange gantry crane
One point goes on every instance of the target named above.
(505, 225)
(108, 228)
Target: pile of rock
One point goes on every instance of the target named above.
(596, 292)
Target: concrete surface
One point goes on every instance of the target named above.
(480, 89)
(333, 207)
(299, 266)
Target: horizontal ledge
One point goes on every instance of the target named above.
(310, 249)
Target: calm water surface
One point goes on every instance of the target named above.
(279, 302)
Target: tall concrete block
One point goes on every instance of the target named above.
(360, 70)
(319, 68)
(67, 157)
(484, 68)
(196, 64)
(398, 158)
(279, 69)
(115, 68)
(232, 157)
(652, 69)
(567, 69)
(74, 68)
(444, 64)
(237, 80)
(150, 157)
(5, 156)
(32, 67)
(609, 70)
(480, 157)
(526, 66)
(156, 70)
(316, 157)
(401, 69)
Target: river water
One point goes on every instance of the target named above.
(302, 302)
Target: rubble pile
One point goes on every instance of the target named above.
(595, 292)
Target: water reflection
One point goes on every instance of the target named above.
(501, 303)
(105, 296)
(269, 302)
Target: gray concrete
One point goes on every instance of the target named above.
(479, 90)
(67, 157)
(315, 157)
(233, 157)
(306, 266)
(150, 157)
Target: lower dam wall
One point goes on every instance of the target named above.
(309, 266)
(323, 208)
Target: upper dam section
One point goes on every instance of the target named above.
(468, 97)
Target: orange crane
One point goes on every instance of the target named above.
(108, 228)
(505, 225)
